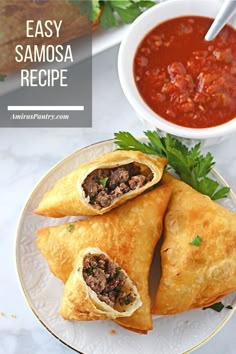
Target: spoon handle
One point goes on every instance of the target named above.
(226, 11)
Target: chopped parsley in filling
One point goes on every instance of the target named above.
(102, 186)
(107, 280)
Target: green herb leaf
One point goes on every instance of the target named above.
(103, 181)
(126, 141)
(207, 186)
(221, 193)
(144, 4)
(118, 288)
(126, 10)
(129, 14)
(205, 162)
(89, 8)
(95, 10)
(117, 272)
(156, 143)
(121, 4)
(196, 241)
(189, 164)
(70, 228)
(218, 306)
(2, 77)
(108, 19)
(89, 270)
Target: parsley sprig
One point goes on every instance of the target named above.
(189, 164)
(112, 10)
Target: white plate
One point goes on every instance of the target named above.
(171, 334)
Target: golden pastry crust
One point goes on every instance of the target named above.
(13, 16)
(80, 302)
(128, 234)
(68, 197)
(195, 277)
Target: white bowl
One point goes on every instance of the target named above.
(147, 21)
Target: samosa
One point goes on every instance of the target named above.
(128, 234)
(198, 254)
(102, 184)
(98, 288)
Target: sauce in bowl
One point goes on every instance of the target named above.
(185, 79)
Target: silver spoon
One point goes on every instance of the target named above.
(226, 11)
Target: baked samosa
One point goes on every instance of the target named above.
(128, 234)
(102, 184)
(198, 254)
(98, 289)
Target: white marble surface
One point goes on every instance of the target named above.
(26, 154)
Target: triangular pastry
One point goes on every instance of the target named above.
(102, 184)
(98, 289)
(128, 234)
(199, 274)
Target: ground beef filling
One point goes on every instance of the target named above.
(107, 280)
(102, 186)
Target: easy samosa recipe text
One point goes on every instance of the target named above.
(42, 54)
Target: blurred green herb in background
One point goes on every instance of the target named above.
(113, 10)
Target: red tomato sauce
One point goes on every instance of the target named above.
(185, 79)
